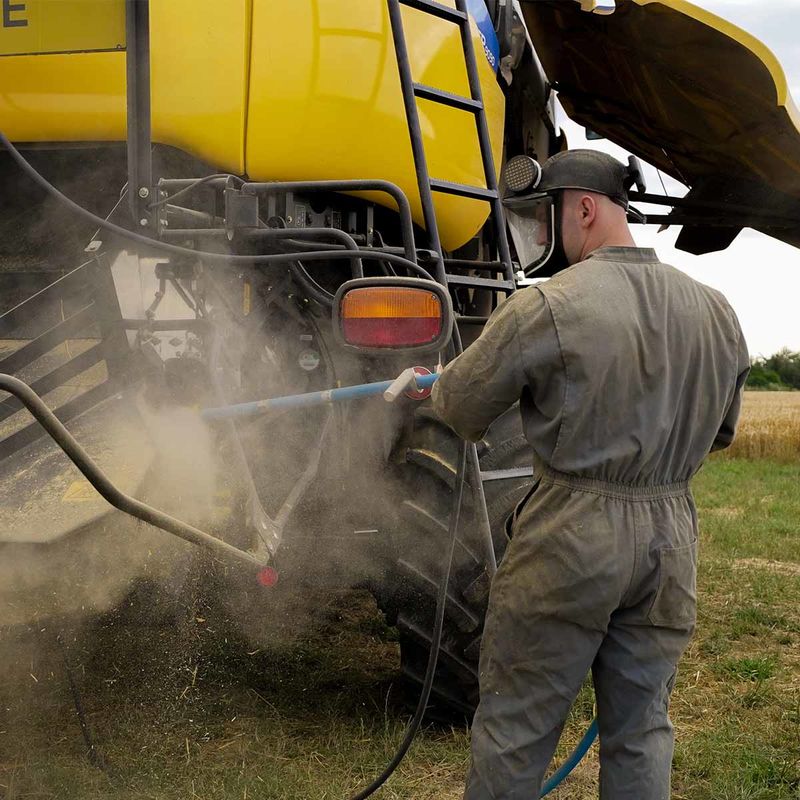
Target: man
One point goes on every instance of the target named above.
(628, 373)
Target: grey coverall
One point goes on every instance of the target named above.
(628, 373)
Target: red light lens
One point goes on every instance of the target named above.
(391, 332)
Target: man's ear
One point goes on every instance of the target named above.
(587, 210)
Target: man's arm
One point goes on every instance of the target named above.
(487, 378)
(727, 430)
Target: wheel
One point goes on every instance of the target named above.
(426, 469)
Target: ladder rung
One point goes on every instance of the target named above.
(468, 320)
(463, 190)
(504, 474)
(480, 283)
(446, 98)
(437, 9)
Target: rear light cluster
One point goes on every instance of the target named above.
(399, 313)
(391, 317)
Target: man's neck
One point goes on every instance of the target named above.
(618, 239)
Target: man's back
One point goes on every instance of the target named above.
(650, 359)
(627, 370)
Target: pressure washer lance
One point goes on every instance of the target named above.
(414, 383)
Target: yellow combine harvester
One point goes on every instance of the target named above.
(238, 164)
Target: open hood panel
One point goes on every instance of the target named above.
(690, 93)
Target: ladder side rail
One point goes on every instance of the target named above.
(485, 141)
(415, 131)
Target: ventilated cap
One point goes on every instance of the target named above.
(590, 170)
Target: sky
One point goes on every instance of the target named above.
(760, 276)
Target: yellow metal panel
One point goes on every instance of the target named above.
(199, 62)
(747, 40)
(325, 102)
(52, 26)
(683, 88)
(57, 98)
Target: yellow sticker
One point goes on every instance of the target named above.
(79, 492)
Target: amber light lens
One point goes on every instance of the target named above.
(390, 316)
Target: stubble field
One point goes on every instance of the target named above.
(769, 427)
(184, 711)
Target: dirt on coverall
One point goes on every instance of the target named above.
(628, 373)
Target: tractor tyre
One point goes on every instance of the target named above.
(427, 471)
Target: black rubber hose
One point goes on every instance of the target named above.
(220, 258)
(436, 639)
(309, 286)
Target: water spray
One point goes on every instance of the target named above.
(415, 383)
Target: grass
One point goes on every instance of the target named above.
(187, 711)
(769, 427)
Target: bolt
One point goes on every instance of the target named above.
(164, 223)
(144, 192)
(143, 222)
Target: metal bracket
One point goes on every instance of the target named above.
(137, 61)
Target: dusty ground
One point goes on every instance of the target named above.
(180, 707)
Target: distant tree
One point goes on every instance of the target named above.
(786, 364)
(762, 378)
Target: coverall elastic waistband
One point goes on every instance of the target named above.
(611, 489)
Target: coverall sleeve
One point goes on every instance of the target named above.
(727, 430)
(488, 377)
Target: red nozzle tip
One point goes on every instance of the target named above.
(267, 576)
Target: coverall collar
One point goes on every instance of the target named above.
(641, 255)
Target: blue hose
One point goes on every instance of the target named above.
(309, 399)
(572, 761)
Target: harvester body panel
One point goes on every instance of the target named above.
(271, 90)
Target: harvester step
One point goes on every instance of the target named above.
(463, 190)
(471, 320)
(68, 328)
(480, 283)
(436, 9)
(424, 92)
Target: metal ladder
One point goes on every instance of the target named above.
(412, 91)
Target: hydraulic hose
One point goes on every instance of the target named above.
(572, 760)
(436, 638)
(218, 258)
